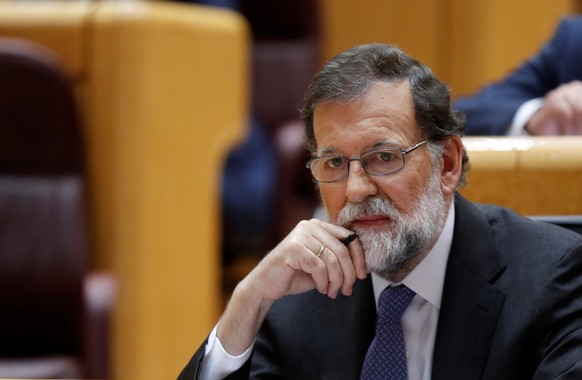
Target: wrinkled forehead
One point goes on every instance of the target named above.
(385, 112)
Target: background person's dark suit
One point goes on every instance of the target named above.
(491, 111)
(511, 309)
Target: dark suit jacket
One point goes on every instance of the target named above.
(491, 110)
(511, 309)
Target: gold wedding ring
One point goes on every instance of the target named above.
(318, 254)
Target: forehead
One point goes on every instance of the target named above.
(385, 113)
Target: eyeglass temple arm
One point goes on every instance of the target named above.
(408, 150)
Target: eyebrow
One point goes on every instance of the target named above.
(389, 143)
(379, 144)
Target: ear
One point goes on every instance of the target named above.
(452, 164)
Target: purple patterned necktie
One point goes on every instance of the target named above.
(386, 357)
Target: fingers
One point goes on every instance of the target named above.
(561, 113)
(336, 274)
(573, 97)
(359, 260)
(299, 252)
(311, 256)
(344, 263)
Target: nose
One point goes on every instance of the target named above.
(359, 184)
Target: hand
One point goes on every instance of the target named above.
(561, 112)
(292, 267)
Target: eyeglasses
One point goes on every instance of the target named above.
(379, 161)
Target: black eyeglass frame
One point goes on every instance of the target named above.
(403, 152)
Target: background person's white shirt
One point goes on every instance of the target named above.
(522, 116)
(419, 321)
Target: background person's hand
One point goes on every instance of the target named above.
(561, 112)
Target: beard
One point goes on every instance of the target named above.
(391, 250)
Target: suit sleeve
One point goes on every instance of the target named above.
(192, 369)
(559, 321)
(190, 372)
(491, 110)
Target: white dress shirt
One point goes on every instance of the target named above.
(522, 116)
(419, 321)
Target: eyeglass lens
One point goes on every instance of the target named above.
(375, 162)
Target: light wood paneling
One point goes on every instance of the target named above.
(488, 38)
(163, 90)
(416, 26)
(533, 176)
(467, 43)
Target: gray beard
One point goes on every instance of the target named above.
(392, 250)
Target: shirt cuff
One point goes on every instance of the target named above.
(218, 363)
(522, 116)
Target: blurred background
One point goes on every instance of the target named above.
(151, 154)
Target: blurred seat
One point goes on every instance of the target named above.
(531, 175)
(55, 314)
(162, 91)
(285, 55)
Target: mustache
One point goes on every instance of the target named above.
(370, 206)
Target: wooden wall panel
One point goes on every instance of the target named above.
(488, 38)
(467, 43)
(414, 25)
(163, 96)
(533, 176)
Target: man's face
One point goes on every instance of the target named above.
(397, 215)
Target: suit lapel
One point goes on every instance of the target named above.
(353, 318)
(470, 309)
(471, 304)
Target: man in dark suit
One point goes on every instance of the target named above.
(491, 295)
(542, 97)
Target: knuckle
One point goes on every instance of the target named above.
(333, 260)
(302, 225)
(337, 278)
(350, 277)
(343, 251)
(295, 244)
(317, 265)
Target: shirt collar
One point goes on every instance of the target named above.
(428, 277)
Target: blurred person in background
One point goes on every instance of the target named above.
(542, 97)
(248, 183)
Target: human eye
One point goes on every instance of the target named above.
(381, 156)
(381, 161)
(332, 162)
(329, 168)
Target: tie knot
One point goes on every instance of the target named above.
(394, 300)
